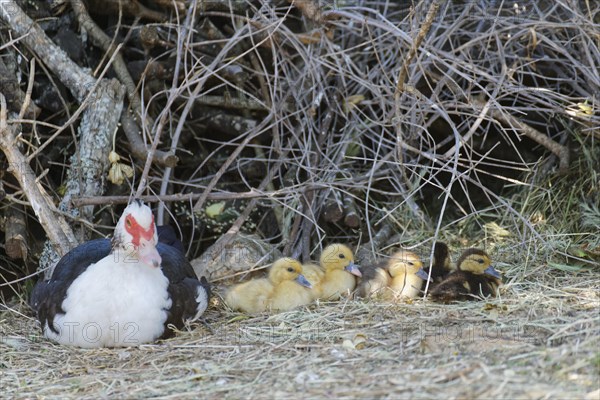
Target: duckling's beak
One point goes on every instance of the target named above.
(303, 281)
(353, 269)
(422, 274)
(492, 272)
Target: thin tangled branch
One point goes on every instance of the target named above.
(417, 117)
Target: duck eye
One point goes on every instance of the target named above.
(290, 269)
(342, 256)
(480, 261)
(128, 222)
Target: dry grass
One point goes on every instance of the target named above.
(539, 340)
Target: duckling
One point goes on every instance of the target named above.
(314, 274)
(340, 272)
(441, 266)
(375, 280)
(250, 297)
(401, 276)
(475, 277)
(259, 295)
(291, 288)
(406, 270)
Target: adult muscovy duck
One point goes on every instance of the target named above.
(123, 292)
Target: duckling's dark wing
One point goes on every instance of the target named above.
(483, 285)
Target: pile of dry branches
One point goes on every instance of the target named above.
(307, 120)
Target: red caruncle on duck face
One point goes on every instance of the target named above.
(137, 231)
(139, 224)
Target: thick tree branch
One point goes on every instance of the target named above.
(130, 127)
(73, 77)
(101, 105)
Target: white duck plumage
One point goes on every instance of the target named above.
(123, 293)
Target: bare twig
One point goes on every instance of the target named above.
(562, 152)
(429, 18)
(15, 97)
(131, 8)
(139, 149)
(97, 200)
(234, 103)
(27, 106)
(55, 226)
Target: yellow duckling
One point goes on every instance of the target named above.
(291, 288)
(406, 270)
(285, 288)
(474, 278)
(314, 274)
(401, 276)
(340, 272)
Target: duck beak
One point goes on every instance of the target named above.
(422, 274)
(149, 254)
(303, 281)
(353, 269)
(492, 272)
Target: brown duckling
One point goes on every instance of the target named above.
(441, 265)
(375, 280)
(401, 276)
(475, 277)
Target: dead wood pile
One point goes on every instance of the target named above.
(300, 121)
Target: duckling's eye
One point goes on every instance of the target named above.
(480, 261)
(342, 256)
(290, 269)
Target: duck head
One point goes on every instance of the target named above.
(288, 269)
(477, 262)
(339, 256)
(406, 262)
(135, 236)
